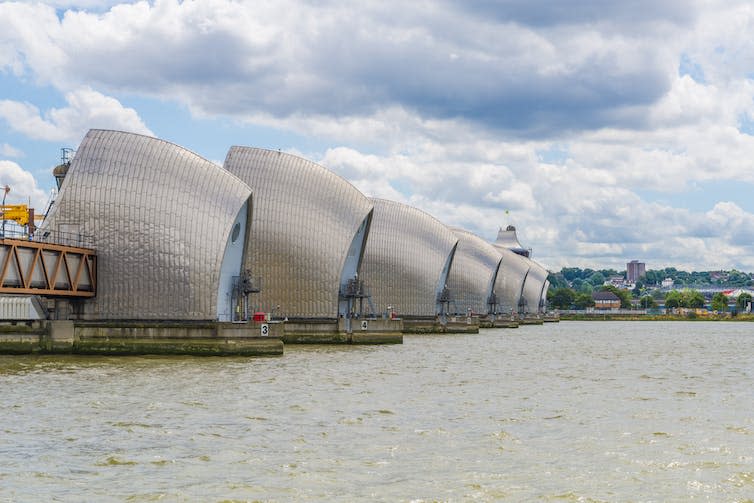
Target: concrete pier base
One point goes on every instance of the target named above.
(505, 323)
(462, 325)
(498, 321)
(23, 337)
(452, 325)
(343, 331)
(129, 338)
(202, 339)
(533, 319)
(551, 318)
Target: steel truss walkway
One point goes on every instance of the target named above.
(53, 270)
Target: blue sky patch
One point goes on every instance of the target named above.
(689, 67)
(702, 196)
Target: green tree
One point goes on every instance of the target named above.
(738, 278)
(586, 288)
(742, 301)
(583, 300)
(673, 299)
(639, 288)
(557, 280)
(647, 302)
(653, 277)
(562, 298)
(577, 283)
(657, 294)
(597, 279)
(571, 273)
(719, 302)
(692, 298)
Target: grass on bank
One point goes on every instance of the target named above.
(656, 317)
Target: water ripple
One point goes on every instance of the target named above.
(578, 411)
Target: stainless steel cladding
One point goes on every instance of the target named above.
(510, 281)
(543, 302)
(472, 277)
(509, 239)
(161, 217)
(535, 280)
(407, 254)
(304, 221)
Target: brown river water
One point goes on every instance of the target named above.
(568, 412)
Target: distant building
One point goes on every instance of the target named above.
(606, 300)
(508, 239)
(619, 282)
(667, 283)
(616, 281)
(719, 276)
(635, 270)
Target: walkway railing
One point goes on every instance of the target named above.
(75, 239)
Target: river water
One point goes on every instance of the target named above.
(575, 411)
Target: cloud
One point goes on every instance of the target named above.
(89, 5)
(622, 14)
(564, 114)
(23, 186)
(86, 109)
(10, 151)
(582, 209)
(289, 58)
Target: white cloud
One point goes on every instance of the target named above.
(86, 109)
(445, 106)
(23, 186)
(10, 151)
(98, 5)
(291, 58)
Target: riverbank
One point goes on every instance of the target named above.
(565, 316)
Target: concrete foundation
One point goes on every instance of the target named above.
(23, 337)
(343, 331)
(498, 321)
(462, 325)
(452, 325)
(127, 338)
(551, 318)
(506, 324)
(531, 319)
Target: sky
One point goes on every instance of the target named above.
(604, 131)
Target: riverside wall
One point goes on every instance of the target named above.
(132, 338)
(222, 339)
(343, 331)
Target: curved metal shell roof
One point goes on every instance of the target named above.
(509, 239)
(535, 281)
(160, 216)
(304, 220)
(475, 267)
(405, 256)
(510, 280)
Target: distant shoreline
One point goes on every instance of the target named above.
(653, 317)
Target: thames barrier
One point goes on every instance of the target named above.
(149, 248)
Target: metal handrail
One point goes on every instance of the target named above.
(66, 238)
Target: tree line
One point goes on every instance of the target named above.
(586, 280)
(567, 298)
